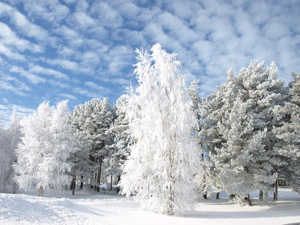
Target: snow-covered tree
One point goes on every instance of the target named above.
(262, 92)
(91, 122)
(9, 138)
(119, 131)
(45, 148)
(164, 156)
(287, 130)
(63, 145)
(257, 90)
(214, 110)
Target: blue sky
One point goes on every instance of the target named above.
(77, 50)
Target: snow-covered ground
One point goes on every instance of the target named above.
(85, 209)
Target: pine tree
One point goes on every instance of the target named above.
(262, 92)
(287, 130)
(214, 110)
(119, 132)
(164, 156)
(257, 90)
(91, 122)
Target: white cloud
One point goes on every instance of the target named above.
(8, 37)
(107, 15)
(32, 78)
(97, 87)
(59, 84)
(90, 94)
(12, 84)
(83, 20)
(23, 25)
(51, 11)
(10, 53)
(68, 96)
(47, 71)
(64, 63)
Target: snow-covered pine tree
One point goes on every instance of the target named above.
(287, 130)
(213, 110)
(119, 132)
(262, 92)
(236, 161)
(91, 122)
(259, 90)
(164, 156)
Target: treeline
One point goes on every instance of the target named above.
(248, 134)
(55, 148)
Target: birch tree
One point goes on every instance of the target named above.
(164, 155)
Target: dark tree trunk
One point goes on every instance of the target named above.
(111, 182)
(205, 195)
(99, 173)
(218, 195)
(73, 185)
(248, 200)
(118, 188)
(261, 195)
(275, 194)
(81, 183)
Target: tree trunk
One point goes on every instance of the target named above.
(275, 194)
(99, 173)
(218, 195)
(261, 195)
(41, 191)
(249, 200)
(73, 185)
(111, 182)
(205, 195)
(81, 183)
(118, 188)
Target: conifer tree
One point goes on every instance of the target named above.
(287, 130)
(91, 122)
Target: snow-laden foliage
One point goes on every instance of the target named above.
(45, 147)
(164, 155)
(287, 130)
(119, 131)
(9, 139)
(236, 130)
(91, 121)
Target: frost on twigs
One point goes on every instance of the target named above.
(164, 157)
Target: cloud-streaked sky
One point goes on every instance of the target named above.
(77, 50)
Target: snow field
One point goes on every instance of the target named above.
(85, 209)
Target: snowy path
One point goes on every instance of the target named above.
(116, 210)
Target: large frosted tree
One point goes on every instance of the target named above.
(164, 155)
(44, 151)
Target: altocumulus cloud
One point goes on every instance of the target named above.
(77, 50)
